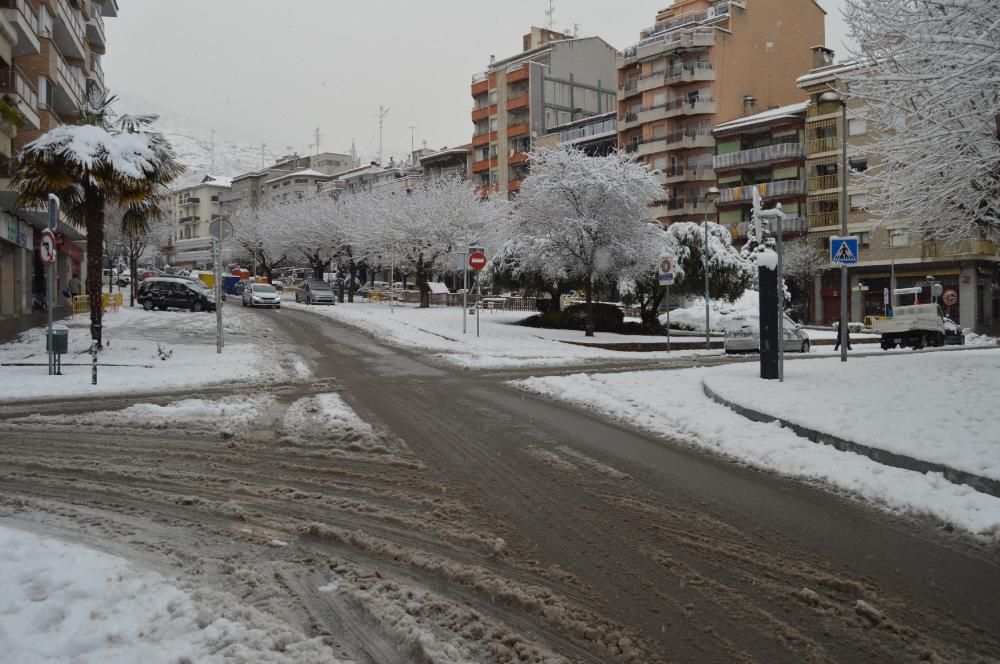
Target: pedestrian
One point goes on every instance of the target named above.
(836, 346)
(74, 286)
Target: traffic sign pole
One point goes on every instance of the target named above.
(477, 261)
(49, 237)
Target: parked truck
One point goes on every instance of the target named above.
(912, 326)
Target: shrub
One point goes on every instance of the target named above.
(607, 318)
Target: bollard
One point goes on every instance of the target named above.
(93, 369)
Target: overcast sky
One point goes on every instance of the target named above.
(273, 71)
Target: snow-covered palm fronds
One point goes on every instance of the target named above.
(930, 77)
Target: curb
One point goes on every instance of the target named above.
(982, 484)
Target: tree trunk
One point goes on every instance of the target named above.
(425, 296)
(648, 311)
(556, 305)
(95, 259)
(589, 290)
(133, 270)
(350, 281)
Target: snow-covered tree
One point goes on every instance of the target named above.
(929, 77)
(640, 282)
(729, 273)
(421, 228)
(92, 165)
(584, 215)
(258, 236)
(802, 261)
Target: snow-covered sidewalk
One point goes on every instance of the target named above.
(933, 406)
(148, 351)
(62, 602)
(673, 404)
(501, 344)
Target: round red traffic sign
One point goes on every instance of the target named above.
(47, 247)
(477, 260)
(950, 297)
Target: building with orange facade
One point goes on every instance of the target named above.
(555, 79)
(701, 64)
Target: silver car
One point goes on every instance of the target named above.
(261, 295)
(743, 335)
(314, 291)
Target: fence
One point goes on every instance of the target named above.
(109, 301)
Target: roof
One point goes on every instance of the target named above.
(548, 46)
(305, 173)
(828, 72)
(446, 152)
(790, 112)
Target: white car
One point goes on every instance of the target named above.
(743, 335)
(261, 295)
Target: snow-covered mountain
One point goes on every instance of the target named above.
(193, 144)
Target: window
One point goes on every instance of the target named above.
(301, 181)
(859, 201)
(864, 239)
(285, 183)
(899, 239)
(856, 126)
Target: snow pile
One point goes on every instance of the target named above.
(979, 340)
(147, 351)
(720, 312)
(325, 420)
(501, 343)
(768, 259)
(62, 602)
(638, 399)
(943, 409)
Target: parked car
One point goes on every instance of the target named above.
(953, 335)
(175, 293)
(122, 279)
(742, 335)
(278, 285)
(261, 295)
(314, 291)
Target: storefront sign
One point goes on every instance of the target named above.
(16, 232)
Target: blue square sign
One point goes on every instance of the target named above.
(844, 250)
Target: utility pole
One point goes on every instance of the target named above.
(317, 137)
(551, 14)
(412, 145)
(213, 150)
(382, 113)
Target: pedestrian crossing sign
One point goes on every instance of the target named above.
(844, 250)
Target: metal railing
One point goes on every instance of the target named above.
(820, 219)
(759, 155)
(937, 248)
(824, 182)
(766, 189)
(826, 144)
(73, 80)
(12, 80)
(27, 11)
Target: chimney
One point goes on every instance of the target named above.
(822, 57)
(749, 103)
(493, 60)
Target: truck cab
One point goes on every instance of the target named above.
(912, 326)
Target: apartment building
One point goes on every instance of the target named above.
(259, 187)
(702, 63)
(555, 79)
(969, 270)
(50, 59)
(596, 135)
(765, 151)
(448, 162)
(191, 211)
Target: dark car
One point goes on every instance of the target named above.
(175, 293)
(314, 291)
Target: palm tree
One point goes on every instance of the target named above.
(97, 163)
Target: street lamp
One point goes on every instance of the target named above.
(892, 272)
(711, 196)
(834, 97)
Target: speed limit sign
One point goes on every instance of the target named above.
(47, 247)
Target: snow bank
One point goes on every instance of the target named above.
(153, 350)
(720, 312)
(62, 602)
(935, 406)
(638, 399)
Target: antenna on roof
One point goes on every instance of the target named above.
(551, 14)
(213, 150)
(412, 148)
(354, 155)
(318, 136)
(263, 147)
(382, 113)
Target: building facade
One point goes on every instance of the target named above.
(50, 61)
(969, 270)
(257, 188)
(596, 135)
(705, 62)
(190, 212)
(556, 79)
(448, 162)
(766, 151)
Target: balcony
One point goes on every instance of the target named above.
(69, 31)
(828, 144)
(767, 190)
(789, 225)
(69, 92)
(762, 155)
(483, 112)
(520, 101)
(938, 249)
(671, 41)
(699, 106)
(628, 121)
(95, 31)
(629, 88)
(822, 182)
(519, 73)
(654, 113)
(484, 165)
(518, 128)
(824, 219)
(687, 140)
(24, 18)
(648, 146)
(190, 201)
(691, 73)
(96, 70)
(484, 138)
(14, 84)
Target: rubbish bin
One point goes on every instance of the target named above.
(58, 341)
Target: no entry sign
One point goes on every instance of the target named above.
(47, 247)
(477, 260)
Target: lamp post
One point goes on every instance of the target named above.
(835, 97)
(892, 272)
(711, 196)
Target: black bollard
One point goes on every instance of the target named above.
(768, 280)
